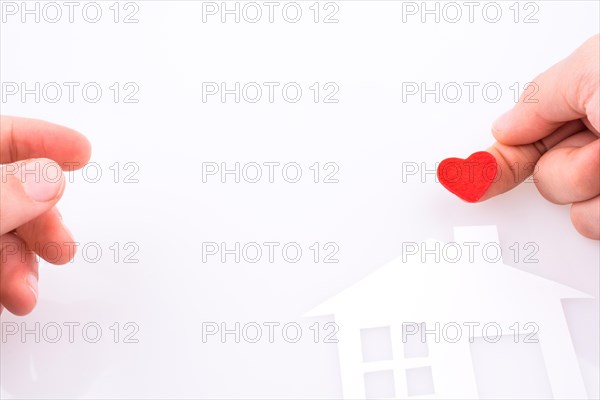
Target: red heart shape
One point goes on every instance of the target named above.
(468, 179)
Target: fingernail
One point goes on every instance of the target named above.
(501, 123)
(32, 282)
(42, 179)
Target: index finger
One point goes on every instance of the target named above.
(567, 91)
(24, 138)
(517, 163)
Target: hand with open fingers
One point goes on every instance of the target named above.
(33, 155)
(554, 134)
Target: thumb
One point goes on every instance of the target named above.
(28, 189)
(516, 163)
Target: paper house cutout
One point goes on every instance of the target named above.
(384, 304)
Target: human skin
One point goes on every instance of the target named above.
(556, 137)
(33, 154)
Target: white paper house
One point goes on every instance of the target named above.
(372, 315)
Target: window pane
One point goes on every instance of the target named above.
(380, 385)
(506, 369)
(419, 381)
(376, 344)
(414, 344)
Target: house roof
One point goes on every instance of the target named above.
(463, 290)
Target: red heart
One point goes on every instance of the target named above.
(468, 179)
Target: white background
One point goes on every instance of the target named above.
(170, 212)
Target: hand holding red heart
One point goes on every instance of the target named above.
(555, 136)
